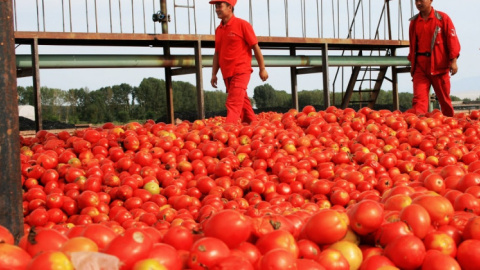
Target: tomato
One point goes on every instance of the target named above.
(50, 260)
(166, 255)
(229, 226)
(326, 227)
(435, 259)
(365, 217)
(280, 259)
(332, 259)
(375, 262)
(407, 246)
(98, 233)
(233, 262)
(437, 240)
(6, 236)
(13, 257)
(350, 251)
(249, 251)
(278, 239)
(133, 245)
(466, 254)
(206, 252)
(78, 244)
(308, 249)
(391, 231)
(439, 208)
(417, 218)
(44, 240)
(472, 229)
(148, 264)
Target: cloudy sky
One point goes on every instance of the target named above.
(301, 20)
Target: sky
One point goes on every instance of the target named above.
(301, 19)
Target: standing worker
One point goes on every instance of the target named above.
(434, 49)
(234, 41)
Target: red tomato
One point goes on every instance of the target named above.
(467, 254)
(229, 226)
(233, 262)
(417, 218)
(280, 259)
(44, 240)
(278, 239)
(375, 262)
(206, 252)
(326, 227)
(6, 236)
(50, 260)
(13, 257)
(100, 234)
(439, 208)
(132, 246)
(365, 217)
(435, 259)
(333, 260)
(166, 255)
(442, 242)
(179, 237)
(407, 246)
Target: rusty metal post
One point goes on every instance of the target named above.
(168, 70)
(11, 212)
(199, 80)
(293, 81)
(326, 79)
(36, 86)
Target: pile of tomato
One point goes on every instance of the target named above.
(334, 189)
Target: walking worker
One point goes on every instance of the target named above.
(234, 42)
(434, 49)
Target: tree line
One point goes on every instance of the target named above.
(123, 103)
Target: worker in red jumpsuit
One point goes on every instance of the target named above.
(434, 49)
(234, 41)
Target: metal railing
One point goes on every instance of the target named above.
(354, 19)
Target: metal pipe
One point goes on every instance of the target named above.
(124, 61)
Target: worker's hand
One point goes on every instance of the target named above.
(263, 74)
(213, 81)
(453, 66)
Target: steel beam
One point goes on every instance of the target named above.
(142, 61)
(11, 212)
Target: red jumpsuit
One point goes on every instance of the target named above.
(233, 45)
(433, 43)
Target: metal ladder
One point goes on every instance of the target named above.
(188, 6)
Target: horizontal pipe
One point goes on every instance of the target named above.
(143, 61)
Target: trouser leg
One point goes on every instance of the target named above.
(237, 93)
(441, 86)
(421, 85)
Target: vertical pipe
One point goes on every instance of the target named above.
(36, 86)
(86, 14)
(268, 10)
(96, 17)
(286, 17)
(389, 20)
(144, 22)
(326, 80)
(43, 12)
(396, 100)
(110, 10)
(38, 18)
(63, 15)
(70, 14)
(199, 80)
(168, 70)
(15, 14)
(11, 213)
(133, 19)
(293, 81)
(120, 15)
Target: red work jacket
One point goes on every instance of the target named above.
(444, 44)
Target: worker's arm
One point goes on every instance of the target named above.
(215, 68)
(261, 63)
